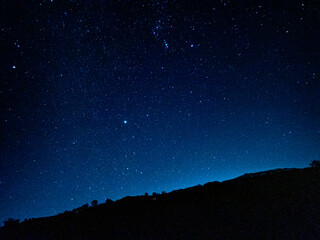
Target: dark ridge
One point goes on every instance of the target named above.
(275, 204)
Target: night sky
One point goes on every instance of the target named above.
(104, 99)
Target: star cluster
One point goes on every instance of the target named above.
(104, 99)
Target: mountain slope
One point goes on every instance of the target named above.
(277, 204)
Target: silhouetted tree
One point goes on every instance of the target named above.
(154, 194)
(94, 203)
(315, 163)
(109, 201)
(146, 194)
(11, 222)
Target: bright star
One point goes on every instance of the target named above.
(166, 44)
(125, 121)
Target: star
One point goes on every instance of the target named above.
(165, 44)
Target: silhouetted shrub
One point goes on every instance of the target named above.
(85, 206)
(154, 194)
(94, 203)
(146, 194)
(80, 209)
(163, 192)
(109, 201)
(11, 222)
(315, 163)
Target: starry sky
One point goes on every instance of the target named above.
(104, 99)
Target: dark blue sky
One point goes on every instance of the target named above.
(103, 99)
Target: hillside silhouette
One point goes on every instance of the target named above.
(275, 204)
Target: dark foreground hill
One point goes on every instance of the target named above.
(277, 204)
